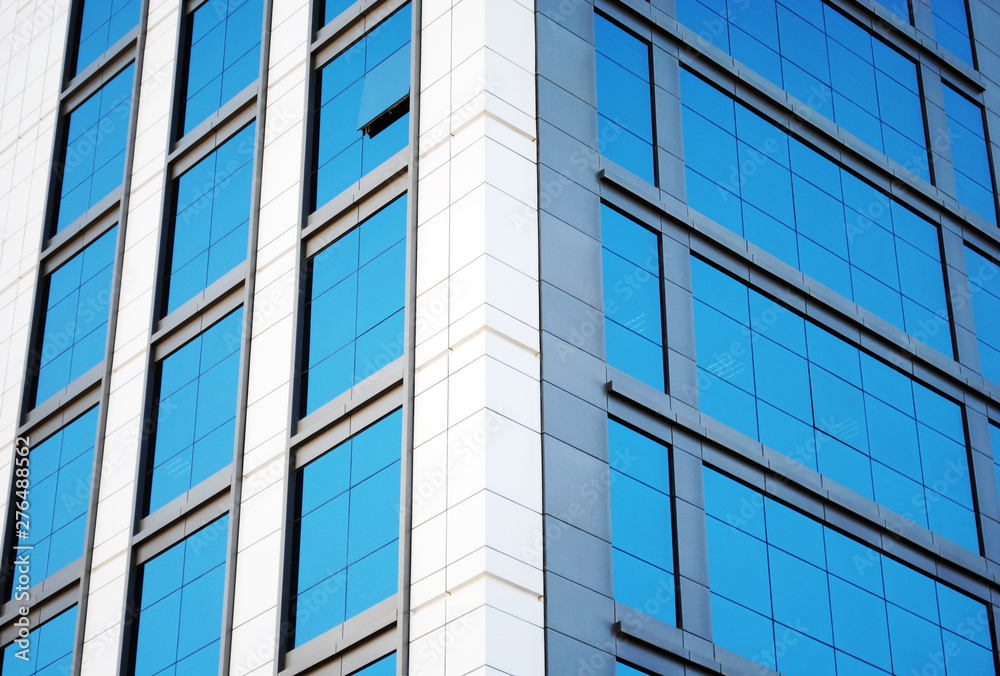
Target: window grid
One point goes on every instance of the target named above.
(984, 288)
(51, 649)
(951, 28)
(970, 154)
(102, 24)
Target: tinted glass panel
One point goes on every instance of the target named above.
(102, 24)
(180, 605)
(76, 316)
(995, 442)
(951, 28)
(49, 649)
(984, 287)
(384, 667)
(835, 606)
(347, 529)
(969, 154)
(195, 412)
(212, 218)
(355, 307)
(776, 377)
(363, 107)
(59, 474)
(224, 57)
(803, 208)
(826, 61)
(94, 155)
(633, 316)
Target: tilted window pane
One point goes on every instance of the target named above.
(833, 65)
(59, 474)
(643, 549)
(803, 599)
(969, 154)
(384, 667)
(224, 56)
(951, 28)
(347, 529)
(195, 412)
(78, 295)
(984, 287)
(102, 24)
(796, 204)
(624, 99)
(93, 159)
(212, 218)
(355, 308)
(806, 393)
(180, 605)
(50, 649)
(363, 107)
(633, 305)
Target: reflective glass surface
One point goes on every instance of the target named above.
(78, 295)
(195, 412)
(94, 155)
(633, 305)
(814, 215)
(102, 24)
(347, 529)
(995, 442)
(60, 470)
(951, 28)
(384, 667)
(803, 599)
(643, 547)
(624, 99)
(50, 652)
(212, 218)
(224, 57)
(984, 287)
(180, 605)
(808, 394)
(969, 154)
(828, 62)
(331, 9)
(355, 307)
(363, 107)
(625, 670)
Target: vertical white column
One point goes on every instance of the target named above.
(258, 581)
(476, 592)
(32, 35)
(122, 442)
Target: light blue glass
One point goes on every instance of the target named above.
(212, 218)
(50, 650)
(984, 287)
(93, 159)
(384, 667)
(805, 209)
(195, 412)
(355, 307)
(951, 28)
(180, 605)
(347, 529)
(102, 24)
(834, 408)
(970, 154)
(76, 316)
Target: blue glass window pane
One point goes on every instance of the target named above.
(76, 316)
(102, 24)
(384, 667)
(347, 529)
(49, 649)
(211, 221)
(951, 28)
(195, 411)
(181, 626)
(356, 87)
(93, 159)
(970, 156)
(984, 286)
(355, 306)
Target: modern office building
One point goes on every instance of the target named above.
(446, 337)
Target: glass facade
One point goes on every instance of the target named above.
(50, 651)
(803, 598)
(363, 114)
(800, 206)
(195, 412)
(828, 62)
(212, 218)
(969, 154)
(812, 396)
(355, 306)
(78, 296)
(984, 289)
(180, 605)
(223, 57)
(347, 529)
(102, 24)
(951, 28)
(93, 156)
